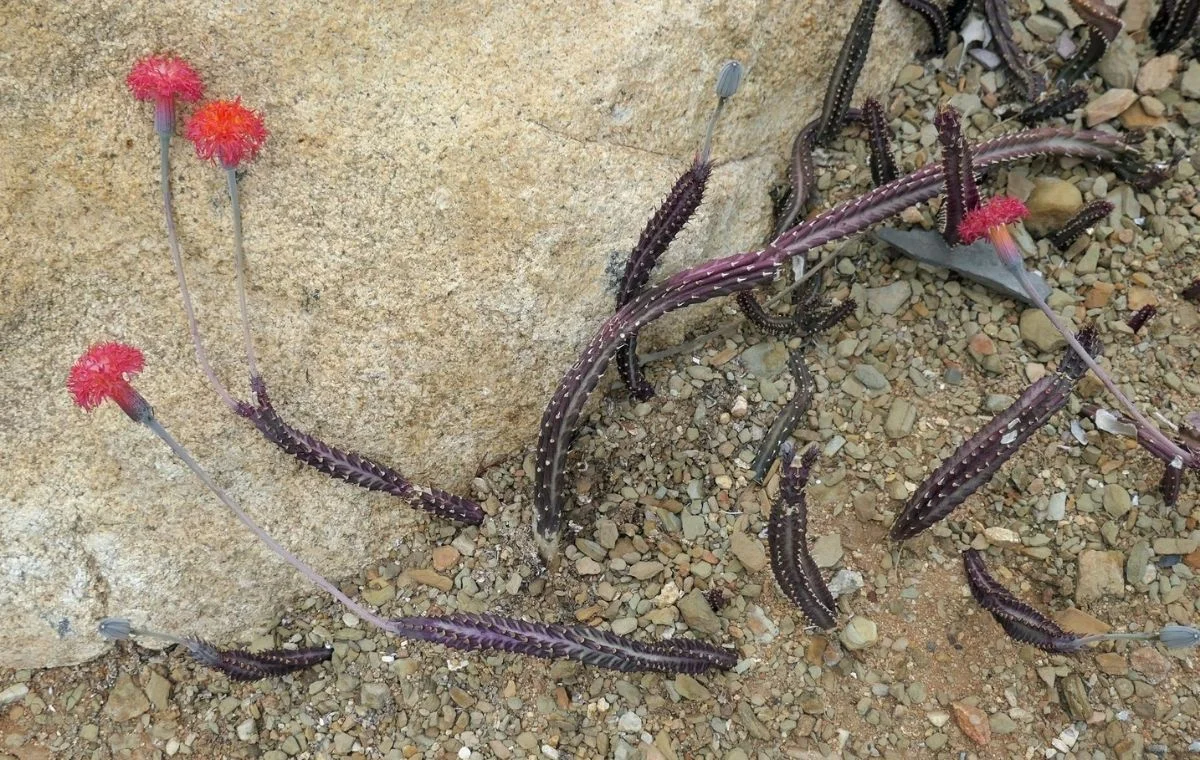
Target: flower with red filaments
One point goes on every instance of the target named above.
(103, 373)
(227, 132)
(991, 220)
(164, 77)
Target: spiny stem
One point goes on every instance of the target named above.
(935, 19)
(1012, 55)
(846, 71)
(1103, 27)
(883, 163)
(1059, 104)
(1147, 428)
(164, 139)
(1086, 217)
(239, 263)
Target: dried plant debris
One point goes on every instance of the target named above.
(1020, 621)
(847, 70)
(1012, 55)
(935, 18)
(1174, 21)
(1140, 317)
(787, 539)
(882, 161)
(352, 467)
(573, 642)
(975, 462)
(238, 664)
(1053, 106)
(1191, 292)
(1080, 223)
(1103, 27)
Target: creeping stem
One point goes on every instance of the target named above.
(749, 270)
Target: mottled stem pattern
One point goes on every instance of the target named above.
(1077, 225)
(1140, 317)
(749, 270)
(1103, 27)
(975, 462)
(352, 467)
(1012, 55)
(787, 537)
(573, 642)
(1019, 620)
(789, 417)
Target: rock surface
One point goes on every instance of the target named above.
(435, 226)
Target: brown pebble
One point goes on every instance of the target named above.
(445, 557)
(973, 722)
(427, 577)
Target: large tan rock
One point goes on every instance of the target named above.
(433, 230)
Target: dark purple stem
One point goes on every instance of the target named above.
(787, 536)
(961, 193)
(1103, 27)
(1019, 620)
(1012, 55)
(749, 270)
(678, 207)
(847, 70)
(1059, 104)
(573, 642)
(352, 467)
(935, 19)
(241, 665)
(1077, 225)
(1174, 21)
(975, 462)
(883, 163)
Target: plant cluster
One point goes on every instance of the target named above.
(230, 134)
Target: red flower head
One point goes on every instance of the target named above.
(998, 212)
(226, 131)
(101, 374)
(164, 77)
(992, 220)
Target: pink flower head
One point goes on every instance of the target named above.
(102, 373)
(999, 211)
(227, 132)
(164, 77)
(992, 220)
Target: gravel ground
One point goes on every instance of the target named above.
(670, 521)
